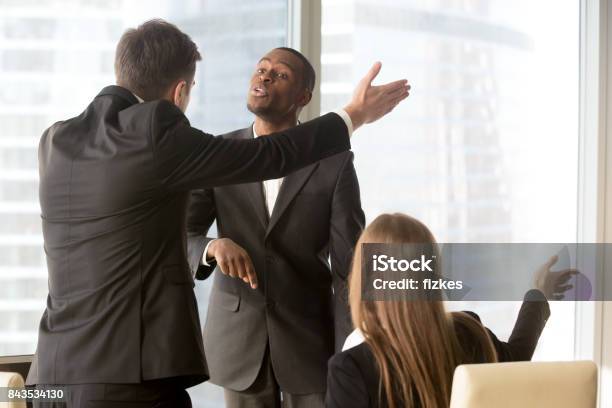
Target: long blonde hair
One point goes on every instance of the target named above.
(414, 342)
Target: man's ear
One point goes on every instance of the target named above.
(305, 99)
(180, 93)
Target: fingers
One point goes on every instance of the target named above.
(565, 275)
(553, 260)
(397, 95)
(394, 86)
(222, 266)
(563, 288)
(250, 276)
(227, 267)
(232, 269)
(400, 97)
(240, 267)
(370, 103)
(394, 100)
(372, 73)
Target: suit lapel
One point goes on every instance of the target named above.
(255, 193)
(255, 190)
(292, 184)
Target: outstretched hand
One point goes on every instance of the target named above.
(371, 102)
(553, 284)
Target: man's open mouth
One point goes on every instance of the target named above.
(259, 91)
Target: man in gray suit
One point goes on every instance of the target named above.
(121, 324)
(272, 342)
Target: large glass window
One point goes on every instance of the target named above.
(55, 56)
(485, 149)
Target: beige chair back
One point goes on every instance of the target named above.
(571, 384)
(12, 380)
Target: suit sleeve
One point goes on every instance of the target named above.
(345, 384)
(347, 222)
(200, 216)
(529, 325)
(186, 158)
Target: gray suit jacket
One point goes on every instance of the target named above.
(299, 309)
(114, 187)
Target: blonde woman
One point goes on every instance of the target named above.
(411, 348)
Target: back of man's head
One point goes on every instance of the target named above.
(153, 57)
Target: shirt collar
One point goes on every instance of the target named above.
(140, 100)
(254, 132)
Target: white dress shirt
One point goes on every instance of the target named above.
(272, 187)
(140, 100)
(353, 339)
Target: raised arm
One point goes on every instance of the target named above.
(529, 325)
(186, 158)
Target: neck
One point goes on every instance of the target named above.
(267, 126)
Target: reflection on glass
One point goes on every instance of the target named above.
(54, 58)
(485, 149)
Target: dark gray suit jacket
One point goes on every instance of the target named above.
(114, 187)
(317, 215)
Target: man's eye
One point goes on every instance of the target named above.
(282, 75)
(260, 70)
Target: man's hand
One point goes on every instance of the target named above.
(553, 284)
(370, 103)
(233, 260)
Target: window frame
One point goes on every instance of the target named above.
(594, 189)
(304, 34)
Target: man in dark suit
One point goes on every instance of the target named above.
(287, 230)
(121, 322)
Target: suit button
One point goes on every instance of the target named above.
(269, 259)
(270, 304)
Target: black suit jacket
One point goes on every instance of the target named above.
(114, 187)
(353, 378)
(317, 215)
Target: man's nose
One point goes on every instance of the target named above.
(265, 77)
